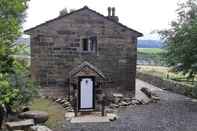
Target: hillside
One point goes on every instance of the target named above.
(149, 44)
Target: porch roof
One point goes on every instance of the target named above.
(80, 67)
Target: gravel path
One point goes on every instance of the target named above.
(172, 113)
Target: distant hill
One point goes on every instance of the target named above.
(21, 40)
(149, 44)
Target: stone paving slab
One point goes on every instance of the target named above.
(89, 119)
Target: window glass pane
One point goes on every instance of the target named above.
(85, 45)
(93, 43)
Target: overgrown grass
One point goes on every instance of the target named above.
(150, 55)
(55, 111)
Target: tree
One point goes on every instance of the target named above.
(181, 39)
(16, 87)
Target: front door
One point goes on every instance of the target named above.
(86, 93)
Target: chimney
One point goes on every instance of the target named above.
(109, 11)
(112, 14)
(63, 12)
(113, 11)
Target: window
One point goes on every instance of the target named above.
(89, 44)
(85, 44)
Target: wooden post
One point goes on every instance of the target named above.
(75, 102)
(69, 89)
(1, 116)
(103, 106)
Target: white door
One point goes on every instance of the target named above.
(86, 93)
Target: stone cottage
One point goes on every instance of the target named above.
(85, 53)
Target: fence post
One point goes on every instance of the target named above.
(103, 106)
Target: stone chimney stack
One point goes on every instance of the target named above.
(109, 11)
(112, 14)
(113, 11)
(63, 12)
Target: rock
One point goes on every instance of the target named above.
(109, 110)
(123, 103)
(38, 116)
(155, 99)
(147, 92)
(67, 108)
(58, 100)
(70, 110)
(117, 95)
(19, 124)
(113, 106)
(39, 128)
(25, 108)
(62, 101)
(66, 103)
(66, 98)
(135, 102)
(112, 117)
(127, 99)
(69, 115)
(142, 102)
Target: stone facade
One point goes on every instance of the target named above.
(56, 48)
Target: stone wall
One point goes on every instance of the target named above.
(167, 84)
(56, 50)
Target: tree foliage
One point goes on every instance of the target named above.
(16, 86)
(181, 39)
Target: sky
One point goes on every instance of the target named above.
(142, 15)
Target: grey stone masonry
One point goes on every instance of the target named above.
(56, 48)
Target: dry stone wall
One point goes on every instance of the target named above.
(167, 84)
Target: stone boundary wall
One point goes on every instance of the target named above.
(167, 84)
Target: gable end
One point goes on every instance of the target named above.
(28, 31)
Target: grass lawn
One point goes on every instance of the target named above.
(150, 50)
(55, 111)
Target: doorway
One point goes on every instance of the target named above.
(86, 93)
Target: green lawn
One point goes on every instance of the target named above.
(55, 111)
(150, 54)
(150, 50)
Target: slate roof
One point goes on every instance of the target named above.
(85, 7)
(85, 64)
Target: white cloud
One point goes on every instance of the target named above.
(142, 15)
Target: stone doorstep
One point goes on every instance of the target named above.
(20, 124)
(91, 118)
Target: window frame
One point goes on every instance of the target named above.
(91, 44)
